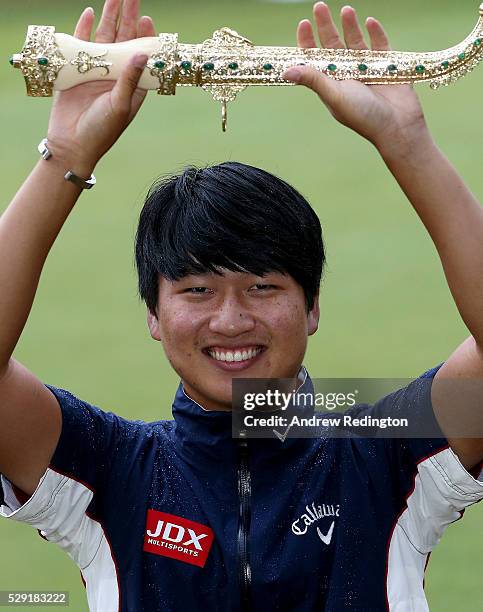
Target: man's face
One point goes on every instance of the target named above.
(215, 328)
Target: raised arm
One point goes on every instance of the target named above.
(392, 119)
(85, 122)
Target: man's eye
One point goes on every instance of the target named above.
(262, 286)
(196, 290)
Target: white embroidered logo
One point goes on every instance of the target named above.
(328, 537)
(314, 514)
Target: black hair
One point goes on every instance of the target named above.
(232, 216)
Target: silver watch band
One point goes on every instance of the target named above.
(69, 176)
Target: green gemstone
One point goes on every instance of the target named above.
(267, 67)
(233, 66)
(445, 64)
(186, 65)
(462, 56)
(363, 67)
(159, 64)
(209, 66)
(42, 61)
(332, 67)
(420, 68)
(477, 42)
(392, 67)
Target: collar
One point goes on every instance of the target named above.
(206, 435)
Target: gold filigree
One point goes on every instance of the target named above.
(86, 62)
(227, 63)
(225, 49)
(162, 64)
(235, 62)
(226, 38)
(41, 60)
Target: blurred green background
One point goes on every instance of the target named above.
(386, 309)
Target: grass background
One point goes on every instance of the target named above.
(386, 309)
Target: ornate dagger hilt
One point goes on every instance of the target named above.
(227, 63)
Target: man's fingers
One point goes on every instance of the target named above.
(353, 35)
(123, 91)
(328, 34)
(129, 20)
(305, 35)
(145, 27)
(83, 29)
(377, 35)
(323, 85)
(107, 28)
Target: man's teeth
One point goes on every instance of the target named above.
(234, 355)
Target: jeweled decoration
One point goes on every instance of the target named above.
(41, 60)
(227, 63)
(163, 64)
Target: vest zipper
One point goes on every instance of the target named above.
(244, 493)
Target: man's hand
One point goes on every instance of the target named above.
(390, 116)
(86, 120)
(387, 115)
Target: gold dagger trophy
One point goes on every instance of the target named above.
(227, 63)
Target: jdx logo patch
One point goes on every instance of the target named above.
(176, 537)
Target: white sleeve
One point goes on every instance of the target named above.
(11, 502)
(442, 490)
(57, 508)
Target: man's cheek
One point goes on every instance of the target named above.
(287, 322)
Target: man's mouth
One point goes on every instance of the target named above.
(235, 354)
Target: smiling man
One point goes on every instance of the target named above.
(233, 323)
(236, 294)
(177, 514)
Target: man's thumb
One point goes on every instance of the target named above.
(127, 83)
(313, 79)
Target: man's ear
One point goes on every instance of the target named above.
(314, 316)
(153, 325)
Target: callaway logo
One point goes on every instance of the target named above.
(328, 536)
(176, 537)
(282, 437)
(314, 514)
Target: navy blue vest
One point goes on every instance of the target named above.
(197, 520)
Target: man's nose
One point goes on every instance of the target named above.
(231, 318)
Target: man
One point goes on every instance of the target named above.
(177, 515)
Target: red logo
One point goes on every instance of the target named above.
(176, 537)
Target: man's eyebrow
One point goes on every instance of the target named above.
(209, 275)
(189, 277)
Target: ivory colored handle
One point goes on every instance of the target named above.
(116, 54)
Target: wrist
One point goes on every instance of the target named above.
(405, 144)
(69, 156)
